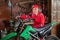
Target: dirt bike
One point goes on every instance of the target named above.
(23, 31)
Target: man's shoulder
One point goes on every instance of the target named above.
(41, 14)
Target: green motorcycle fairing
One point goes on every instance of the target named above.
(25, 34)
(10, 35)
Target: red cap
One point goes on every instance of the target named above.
(35, 6)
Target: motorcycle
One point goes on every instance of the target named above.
(23, 31)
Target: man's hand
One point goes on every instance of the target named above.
(41, 25)
(28, 23)
(17, 17)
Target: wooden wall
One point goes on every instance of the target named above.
(56, 30)
(5, 11)
(55, 14)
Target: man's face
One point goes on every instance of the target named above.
(35, 10)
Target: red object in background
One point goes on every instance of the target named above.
(38, 19)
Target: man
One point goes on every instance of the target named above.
(37, 16)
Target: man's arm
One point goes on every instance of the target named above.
(22, 17)
(28, 23)
(42, 20)
(17, 17)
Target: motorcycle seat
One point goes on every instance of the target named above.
(44, 30)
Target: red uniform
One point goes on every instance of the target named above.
(38, 19)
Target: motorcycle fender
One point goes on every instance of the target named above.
(10, 35)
